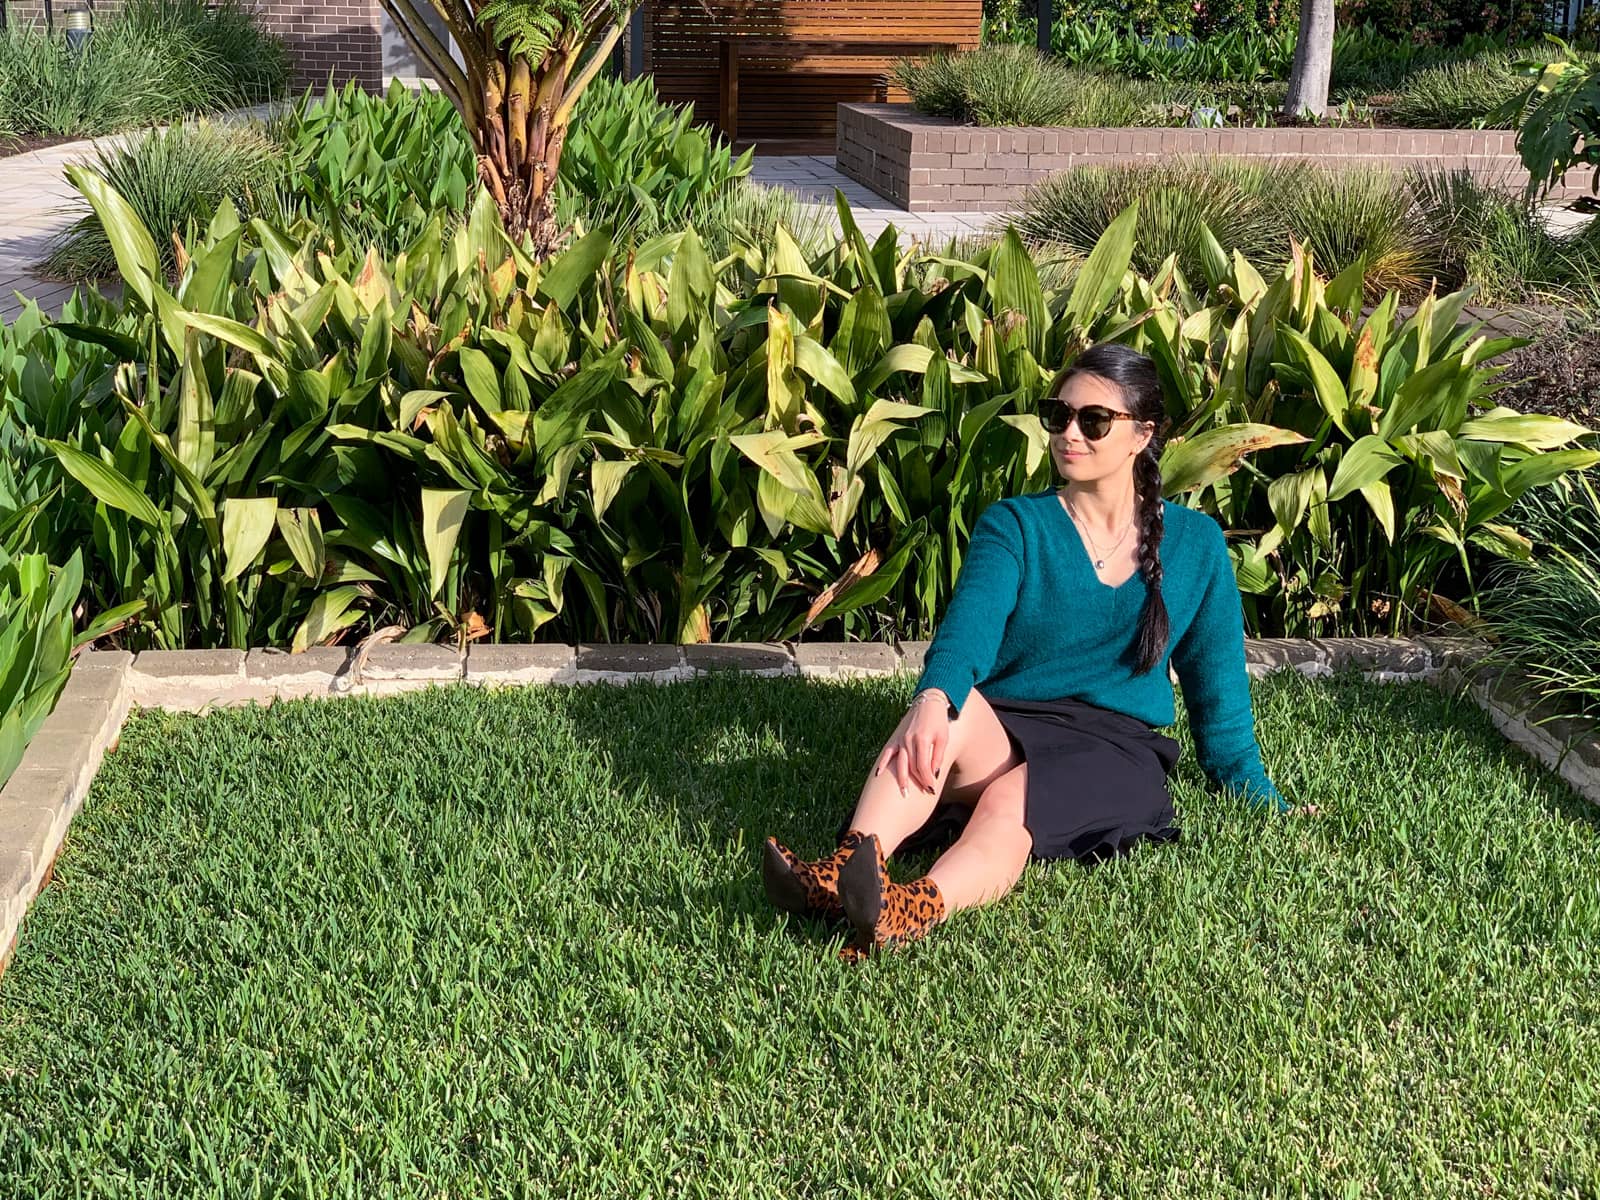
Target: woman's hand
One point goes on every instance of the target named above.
(915, 751)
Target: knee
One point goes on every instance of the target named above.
(1003, 801)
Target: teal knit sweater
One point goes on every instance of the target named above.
(1030, 620)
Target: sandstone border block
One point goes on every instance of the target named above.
(623, 662)
(496, 664)
(392, 668)
(845, 660)
(747, 658)
(191, 680)
(913, 656)
(311, 672)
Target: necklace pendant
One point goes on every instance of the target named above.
(1099, 564)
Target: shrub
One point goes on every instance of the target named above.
(372, 170)
(746, 217)
(1455, 95)
(460, 441)
(639, 166)
(1558, 120)
(155, 61)
(1013, 85)
(171, 178)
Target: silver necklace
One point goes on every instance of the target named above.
(1099, 557)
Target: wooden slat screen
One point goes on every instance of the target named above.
(777, 99)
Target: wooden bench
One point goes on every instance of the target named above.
(775, 71)
(808, 56)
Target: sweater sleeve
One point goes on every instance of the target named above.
(1209, 660)
(968, 639)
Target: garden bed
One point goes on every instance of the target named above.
(515, 943)
(933, 164)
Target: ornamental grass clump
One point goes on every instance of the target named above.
(1181, 203)
(1014, 85)
(1502, 246)
(1456, 95)
(1545, 612)
(1366, 214)
(1256, 207)
(170, 178)
(151, 62)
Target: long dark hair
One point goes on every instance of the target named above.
(1135, 376)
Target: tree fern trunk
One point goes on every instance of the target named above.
(519, 149)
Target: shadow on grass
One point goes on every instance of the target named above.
(734, 762)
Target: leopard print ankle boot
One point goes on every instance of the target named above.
(885, 913)
(809, 889)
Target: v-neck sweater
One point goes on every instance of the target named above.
(1030, 620)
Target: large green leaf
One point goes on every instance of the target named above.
(302, 531)
(1368, 460)
(1533, 430)
(105, 483)
(330, 612)
(1203, 459)
(1326, 385)
(1101, 274)
(444, 510)
(131, 243)
(246, 528)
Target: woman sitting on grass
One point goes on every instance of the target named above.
(1045, 678)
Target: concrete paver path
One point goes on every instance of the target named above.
(36, 204)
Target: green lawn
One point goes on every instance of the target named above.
(462, 944)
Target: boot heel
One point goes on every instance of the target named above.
(783, 887)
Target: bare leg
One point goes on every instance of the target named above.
(978, 753)
(988, 859)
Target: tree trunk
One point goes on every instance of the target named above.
(1313, 60)
(519, 152)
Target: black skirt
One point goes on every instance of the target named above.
(1097, 782)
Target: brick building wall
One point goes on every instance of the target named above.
(21, 13)
(343, 37)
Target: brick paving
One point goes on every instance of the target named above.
(813, 178)
(35, 205)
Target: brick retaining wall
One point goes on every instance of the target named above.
(932, 164)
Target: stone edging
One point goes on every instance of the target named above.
(925, 163)
(45, 792)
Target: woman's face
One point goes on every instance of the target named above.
(1077, 459)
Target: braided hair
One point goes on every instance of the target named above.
(1135, 376)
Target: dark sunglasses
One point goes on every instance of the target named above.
(1094, 420)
